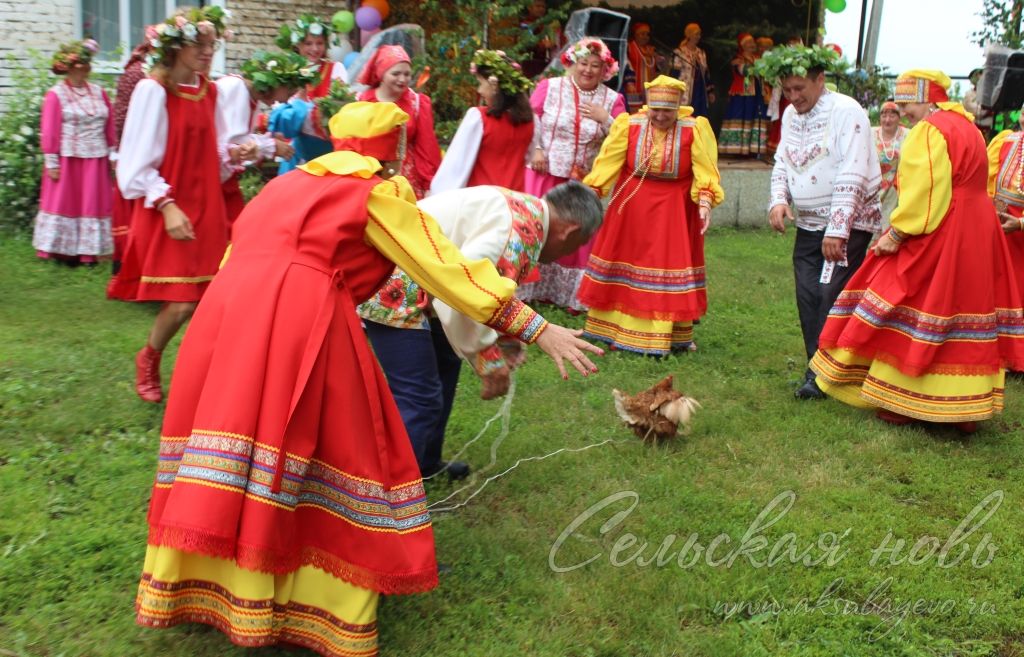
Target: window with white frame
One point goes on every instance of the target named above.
(119, 25)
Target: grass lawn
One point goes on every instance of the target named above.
(623, 549)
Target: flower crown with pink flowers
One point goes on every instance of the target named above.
(501, 71)
(590, 46)
(70, 55)
(184, 28)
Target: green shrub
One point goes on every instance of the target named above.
(21, 162)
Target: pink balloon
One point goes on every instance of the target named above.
(368, 18)
(365, 36)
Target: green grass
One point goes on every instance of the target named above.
(78, 451)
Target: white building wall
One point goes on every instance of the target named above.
(31, 24)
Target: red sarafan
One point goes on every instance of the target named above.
(656, 413)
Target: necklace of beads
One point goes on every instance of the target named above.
(76, 99)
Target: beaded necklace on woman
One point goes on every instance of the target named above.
(890, 154)
(77, 96)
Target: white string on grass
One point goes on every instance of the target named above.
(436, 509)
(505, 413)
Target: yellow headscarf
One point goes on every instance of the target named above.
(364, 134)
(922, 86)
(664, 92)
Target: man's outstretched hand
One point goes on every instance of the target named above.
(565, 345)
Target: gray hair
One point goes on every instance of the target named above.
(575, 203)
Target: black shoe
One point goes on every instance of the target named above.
(809, 390)
(456, 470)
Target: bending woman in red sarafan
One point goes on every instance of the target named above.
(288, 497)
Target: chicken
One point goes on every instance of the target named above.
(656, 413)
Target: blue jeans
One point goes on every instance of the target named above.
(422, 372)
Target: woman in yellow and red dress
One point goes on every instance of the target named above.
(928, 325)
(287, 496)
(1006, 186)
(645, 281)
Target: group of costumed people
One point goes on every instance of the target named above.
(314, 384)
(919, 319)
(751, 125)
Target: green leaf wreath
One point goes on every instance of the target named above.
(785, 61)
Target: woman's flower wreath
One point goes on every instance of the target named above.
(591, 46)
(503, 72)
(75, 53)
(291, 34)
(184, 28)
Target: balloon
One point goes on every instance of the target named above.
(365, 36)
(368, 18)
(343, 21)
(350, 59)
(337, 53)
(835, 6)
(381, 6)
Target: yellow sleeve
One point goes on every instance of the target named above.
(994, 147)
(707, 181)
(412, 240)
(611, 158)
(925, 179)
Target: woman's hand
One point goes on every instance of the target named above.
(885, 245)
(539, 161)
(283, 149)
(1011, 224)
(53, 174)
(243, 152)
(705, 219)
(596, 112)
(177, 223)
(560, 343)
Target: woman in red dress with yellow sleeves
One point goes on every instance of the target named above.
(645, 282)
(928, 325)
(170, 170)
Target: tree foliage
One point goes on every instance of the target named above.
(455, 30)
(1002, 20)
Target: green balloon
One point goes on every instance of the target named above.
(343, 21)
(835, 6)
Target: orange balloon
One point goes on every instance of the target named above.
(381, 6)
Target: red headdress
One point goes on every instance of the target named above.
(635, 27)
(383, 59)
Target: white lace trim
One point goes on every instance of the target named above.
(72, 236)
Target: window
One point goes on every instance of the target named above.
(118, 25)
